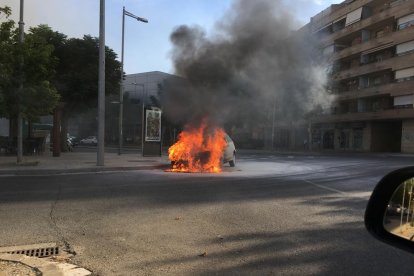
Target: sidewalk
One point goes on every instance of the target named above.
(76, 162)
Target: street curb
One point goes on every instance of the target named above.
(80, 170)
(46, 267)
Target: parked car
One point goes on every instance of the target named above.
(90, 140)
(74, 140)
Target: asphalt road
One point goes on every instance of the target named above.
(270, 215)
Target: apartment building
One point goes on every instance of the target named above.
(370, 47)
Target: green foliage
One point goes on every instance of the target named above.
(39, 62)
(77, 73)
(7, 46)
(2, 101)
(7, 59)
(5, 10)
(55, 68)
(31, 64)
(76, 78)
(39, 100)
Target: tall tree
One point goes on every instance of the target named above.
(56, 68)
(77, 73)
(76, 77)
(39, 97)
(6, 33)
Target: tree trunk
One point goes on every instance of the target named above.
(57, 119)
(64, 131)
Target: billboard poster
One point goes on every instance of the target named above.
(153, 125)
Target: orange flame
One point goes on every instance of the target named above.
(198, 150)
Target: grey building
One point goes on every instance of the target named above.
(146, 87)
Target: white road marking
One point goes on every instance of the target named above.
(345, 194)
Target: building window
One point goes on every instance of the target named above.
(344, 140)
(328, 50)
(357, 138)
(408, 106)
(353, 17)
(379, 34)
(405, 101)
(356, 41)
(404, 74)
(406, 21)
(339, 24)
(376, 106)
(406, 25)
(364, 82)
(405, 48)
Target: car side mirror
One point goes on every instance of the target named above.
(389, 215)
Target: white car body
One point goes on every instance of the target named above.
(91, 140)
(229, 154)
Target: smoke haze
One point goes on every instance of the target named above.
(254, 60)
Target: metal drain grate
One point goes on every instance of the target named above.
(33, 250)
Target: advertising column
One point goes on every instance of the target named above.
(152, 144)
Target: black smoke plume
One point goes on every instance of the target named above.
(255, 62)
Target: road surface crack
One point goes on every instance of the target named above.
(68, 248)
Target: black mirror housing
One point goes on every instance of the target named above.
(377, 206)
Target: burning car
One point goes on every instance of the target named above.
(202, 149)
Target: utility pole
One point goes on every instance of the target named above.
(101, 88)
(121, 90)
(20, 91)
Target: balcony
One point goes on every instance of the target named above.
(394, 63)
(391, 39)
(392, 12)
(392, 89)
(365, 116)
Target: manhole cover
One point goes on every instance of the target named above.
(40, 250)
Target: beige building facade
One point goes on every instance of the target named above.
(369, 45)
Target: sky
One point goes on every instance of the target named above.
(147, 46)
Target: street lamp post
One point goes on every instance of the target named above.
(101, 87)
(121, 90)
(19, 115)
